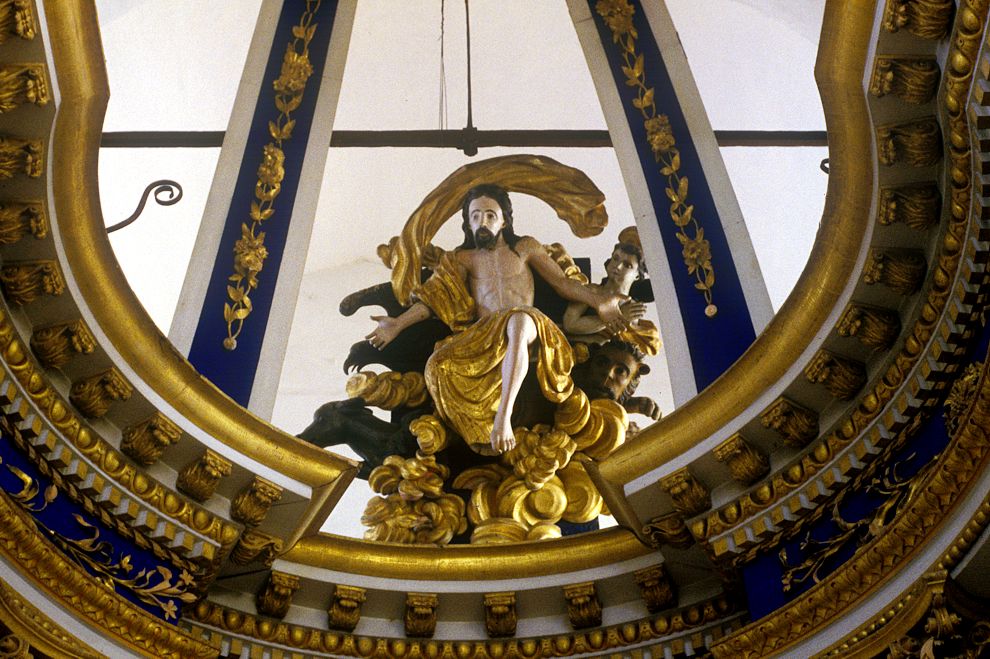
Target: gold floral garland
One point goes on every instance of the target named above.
(696, 250)
(249, 250)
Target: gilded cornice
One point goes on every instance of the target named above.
(75, 590)
(29, 623)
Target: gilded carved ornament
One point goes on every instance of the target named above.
(253, 545)
(875, 327)
(746, 463)
(26, 281)
(421, 614)
(961, 396)
(584, 609)
(928, 19)
(916, 143)
(276, 597)
(430, 433)
(669, 529)
(16, 19)
(500, 614)
(901, 270)
(56, 345)
(917, 206)
(20, 84)
(145, 442)
(345, 609)
(912, 79)
(690, 496)
(199, 479)
(658, 590)
(388, 390)
(94, 395)
(20, 156)
(796, 424)
(251, 506)
(843, 377)
(37, 629)
(20, 218)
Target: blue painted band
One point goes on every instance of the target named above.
(234, 371)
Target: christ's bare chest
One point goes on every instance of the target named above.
(499, 279)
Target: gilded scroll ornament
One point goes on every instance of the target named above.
(421, 614)
(843, 377)
(415, 508)
(961, 396)
(690, 497)
(56, 345)
(916, 143)
(796, 424)
(696, 250)
(199, 479)
(41, 631)
(388, 390)
(916, 206)
(20, 218)
(276, 597)
(250, 252)
(93, 395)
(430, 433)
(911, 79)
(145, 442)
(928, 19)
(875, 327)
(500, 614)
(657, 588)
(19, 156)
(345, 609)
(16, 19)
(20, 84)
(746, 463)
(584, 609)
(26, 281)
(901, 270)
(669, 529)
(253, 545)
(584, 501)
(251, 506)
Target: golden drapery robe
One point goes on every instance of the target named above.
(464, 374)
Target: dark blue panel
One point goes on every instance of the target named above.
(234, 371)
(714, 343)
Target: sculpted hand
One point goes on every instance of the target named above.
(632, 310)
(388, 328)
(610, 311)
(643, 405)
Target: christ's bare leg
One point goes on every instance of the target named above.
(520, 332)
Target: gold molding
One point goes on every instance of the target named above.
(30, 623)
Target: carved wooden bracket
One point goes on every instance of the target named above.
(19, 156)
(26, 281)
(657, 588)
(199, 479)
(56, 345)
(842, 377)
(928, 19)
(345, 609)
(93, 395)
(746, 463)
(668, 529)
(500, 614)
(689, 495)
(875, 327)
(276, 597)
(20, 218)
(421, 614)
(583, 606)
(253, 503)
(796, 424)
(916, 143)
(917, 205)
(911, 79)
(901, 270)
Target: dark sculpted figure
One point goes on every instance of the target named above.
(613, 371)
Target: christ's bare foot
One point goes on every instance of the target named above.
(502, 437)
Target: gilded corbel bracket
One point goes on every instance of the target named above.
(421, 614)
(26, 281)
(20, 218)
(16, 20)
(199, 479)
(251, 506)
(916, 206)
(928, 19)
(689, 495)
(657, 588)
(93, 396)
(875, 327)
(746, 463)
(915, 143)
(253, 545)
(276, 598)
(20, 84)
(500, 614)
(20, 156)
(56, 345)
(584, 609)
(796, 424)
(842, 377)
(345, 609)
(911, 79)
(901, 270)
(145, 442)
(669, 529)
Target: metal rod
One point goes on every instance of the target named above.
(467, 23)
